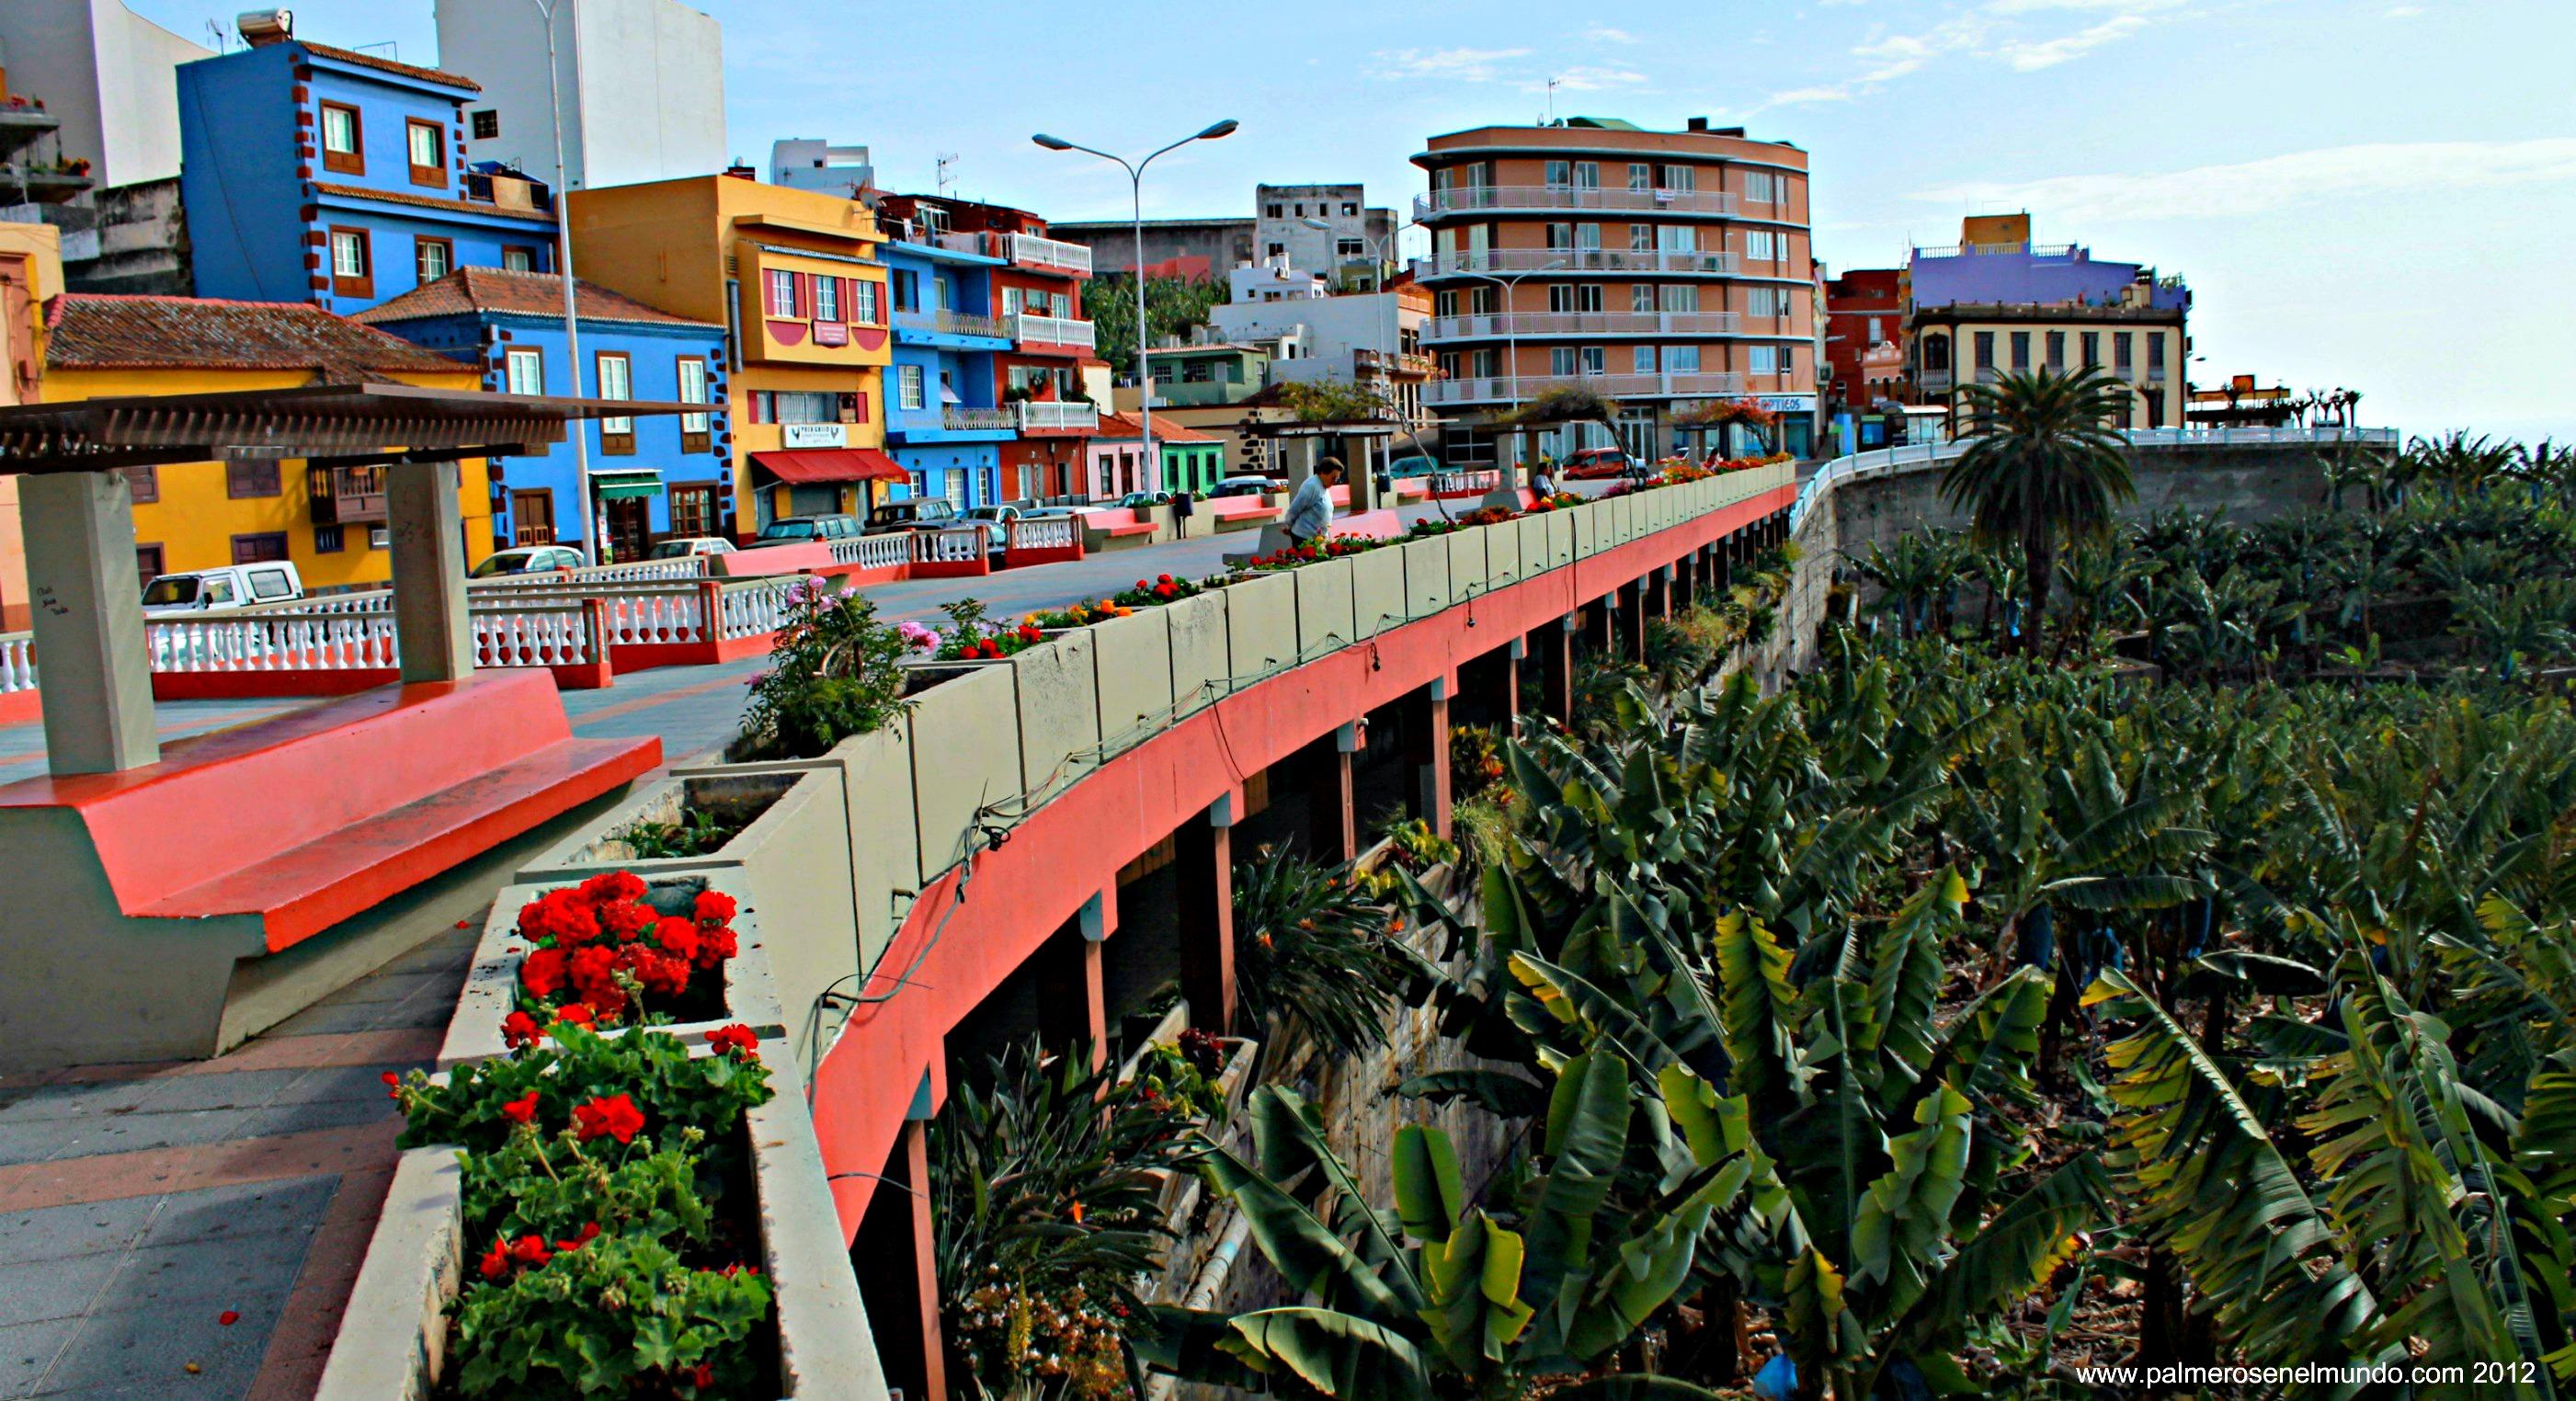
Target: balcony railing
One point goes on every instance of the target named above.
(954, 323)
(346, 495)
(957, 420)
(1050, 330)
(1505, 390)
(1402, 362)
(1582, 323)
(1573, 260)
(1029, 250)
(1933, 381)
(1041, 416)
(1472, 198)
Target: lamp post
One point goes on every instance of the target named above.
(591, 524)
(1136, 196)
(1511, 326)
(1383, 250)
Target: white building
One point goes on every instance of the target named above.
(642, 83)
(1358, 338)
(1353, 232)
(1273, 280)
(802, 163)
(108, 75)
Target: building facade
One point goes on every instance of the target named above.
(1658, 268)
(794, 278)
(323, 175)
(801, 163)
(1864, 309)
(1184, 459)
(641, 83)
(1371, 338)
(105, 75)
(1189, 249)
(1345, 252)
(329, 521)
(650, 477)
(945, 418)
(31, 275)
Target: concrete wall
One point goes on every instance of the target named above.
(642, 84)
(2246, 484)
(105, 73)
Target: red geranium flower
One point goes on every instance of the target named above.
(613, 886)
(518, 1029)
(627, 920)
(736, 1041)
(393, 1085)
(576, 1013)
(715, 945)
(522, 1110)
(589, 1233)
(531, 1250)
(678, 938)
(542, 974)
(496, 1261)
(714, 907)
(613, 1115)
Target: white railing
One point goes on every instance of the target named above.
(754, 607)
(261, 640)
(1040, 415)
(1582, 323)
(1655, 260)
(955, 545)
(685, 567)
(1045, 533)
(637, 618)
(1050, 330)
(1031, 250)
(872, 551)
(545, 635)
(1917, 456)
(963, 420)
(1463, 198)
(955, 323)
(17, 662)
(1503, 389)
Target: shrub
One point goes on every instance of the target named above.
(833, 672)
(1316, 953)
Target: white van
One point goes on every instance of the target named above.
(215, 590)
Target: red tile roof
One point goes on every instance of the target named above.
(97, 331)
(1124, 425)
(408, 70)
(461, 206)
(470, 290)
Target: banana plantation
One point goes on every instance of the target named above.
(2172, 965)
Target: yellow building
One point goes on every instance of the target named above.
(31, 270)
(792, 275)
(195, 515)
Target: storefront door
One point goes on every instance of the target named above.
(630, 525)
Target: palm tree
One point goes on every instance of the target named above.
(2043, 470)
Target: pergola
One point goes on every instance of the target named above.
(78, 519)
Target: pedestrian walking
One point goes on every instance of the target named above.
(1310, 511)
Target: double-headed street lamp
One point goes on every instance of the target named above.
(591, 524)
(1136, 194)
(1511, 323)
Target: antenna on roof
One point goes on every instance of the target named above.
(1551, 101)
(947, 171)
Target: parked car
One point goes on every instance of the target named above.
(1136, 500)
(526, 559)
(799, 530)
(1584, 463)
(213, 590)
(1244, 486)
(685, 546)
(1413, 464)
(919, 513)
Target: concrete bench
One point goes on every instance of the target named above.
(167, 911)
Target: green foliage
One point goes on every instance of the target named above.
(673, 1088)
(624, 1315)
(1173, 307)
(696, 832)
(1333, 401)
(834, 671)
(1316, 954)
(2044, 470)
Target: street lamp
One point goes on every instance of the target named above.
(1136, 194)
(590, 521)
(1511, 323)
(1383, 250)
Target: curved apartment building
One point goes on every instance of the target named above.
(1662, 268)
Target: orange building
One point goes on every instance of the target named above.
(1660, 268)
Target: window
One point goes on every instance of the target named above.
(1788, 359)
(2021, 352)
(907, 289)
(1278, 250)
(1641, 359)
(2057, 350)
(340, 139)
(1560, 360)
(1587, 175)
(431, 258)
(1679, 296)
(1560, 173)
(1641, 176)
(249, 478)
(421, 141)
(352, 266)
(2092, 349)
(693, 508)
(1595, 360)
(517, 259)
(2155, 352)
(908, 386)
(782, 293)
(1350, 248)
(1560, 296)
(487, 125)
(797, 406)
(1277, 211)
(144, 482)
(1681, 360)
(329, 540)
(147, 562)
(1350, 209)
(1758, 187)
(1985, 350)
(2120, 352)
(524, 369)
(1680, 177)
(864, 299)
(1560, 235)
(1757, 245)
(1936, 352)
(827, 299)
(694, 434)
(616, 435)
(1587, 296)
(532, 517)
(1641, 296)
(1587, 236)
(1641, 238)
(1762, 359)
(269, 585)
(263, 548)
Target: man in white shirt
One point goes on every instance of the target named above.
(1310, 511)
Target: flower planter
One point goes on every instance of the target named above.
(739, 800)
(491, 989)
(393, 1340)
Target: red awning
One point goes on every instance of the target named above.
(804, 465)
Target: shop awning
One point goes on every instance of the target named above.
(620, 484)
(805, 465)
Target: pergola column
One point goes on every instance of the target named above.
(1332, 808)
(1074, 1012)
(1556, 669)
(1203, 882)
(1426, 744)
(88, 622)
(896, 1257)
(431, 627)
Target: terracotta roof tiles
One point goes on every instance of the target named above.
(98, 331)
(467, 291)
(460, 206)
(408, 70)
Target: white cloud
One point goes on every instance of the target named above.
(1604, 34)
(2132, 7)
(1460, 65)
(1800, 97)
(1588, 80)
(2030, 58)
(2247, 188)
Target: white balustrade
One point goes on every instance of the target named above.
(1470, 198)
(1659, 260)
(524, 636)
(757, 606)
(964, 544)
(1051, 330)
(1038, 415)
(1045, 533)
(872, 551)
(1582, 323)
(17, 662)
(1031, 250)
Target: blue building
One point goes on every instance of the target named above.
(322, 175)
(944, 422)
(652, 477)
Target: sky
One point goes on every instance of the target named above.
(2365, 193)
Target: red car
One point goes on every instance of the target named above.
(1594, 462)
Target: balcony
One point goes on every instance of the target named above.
(1041, 416)
(1933, 381)
(943, 322)
(1582, 323)
(957, 420)
(1466, 199)
(1050, 334)
(1402, 364)
(1459, 392)
(1031, 251)
(1577, 260)
(346, 495)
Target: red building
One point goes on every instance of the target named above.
(1863, 308)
